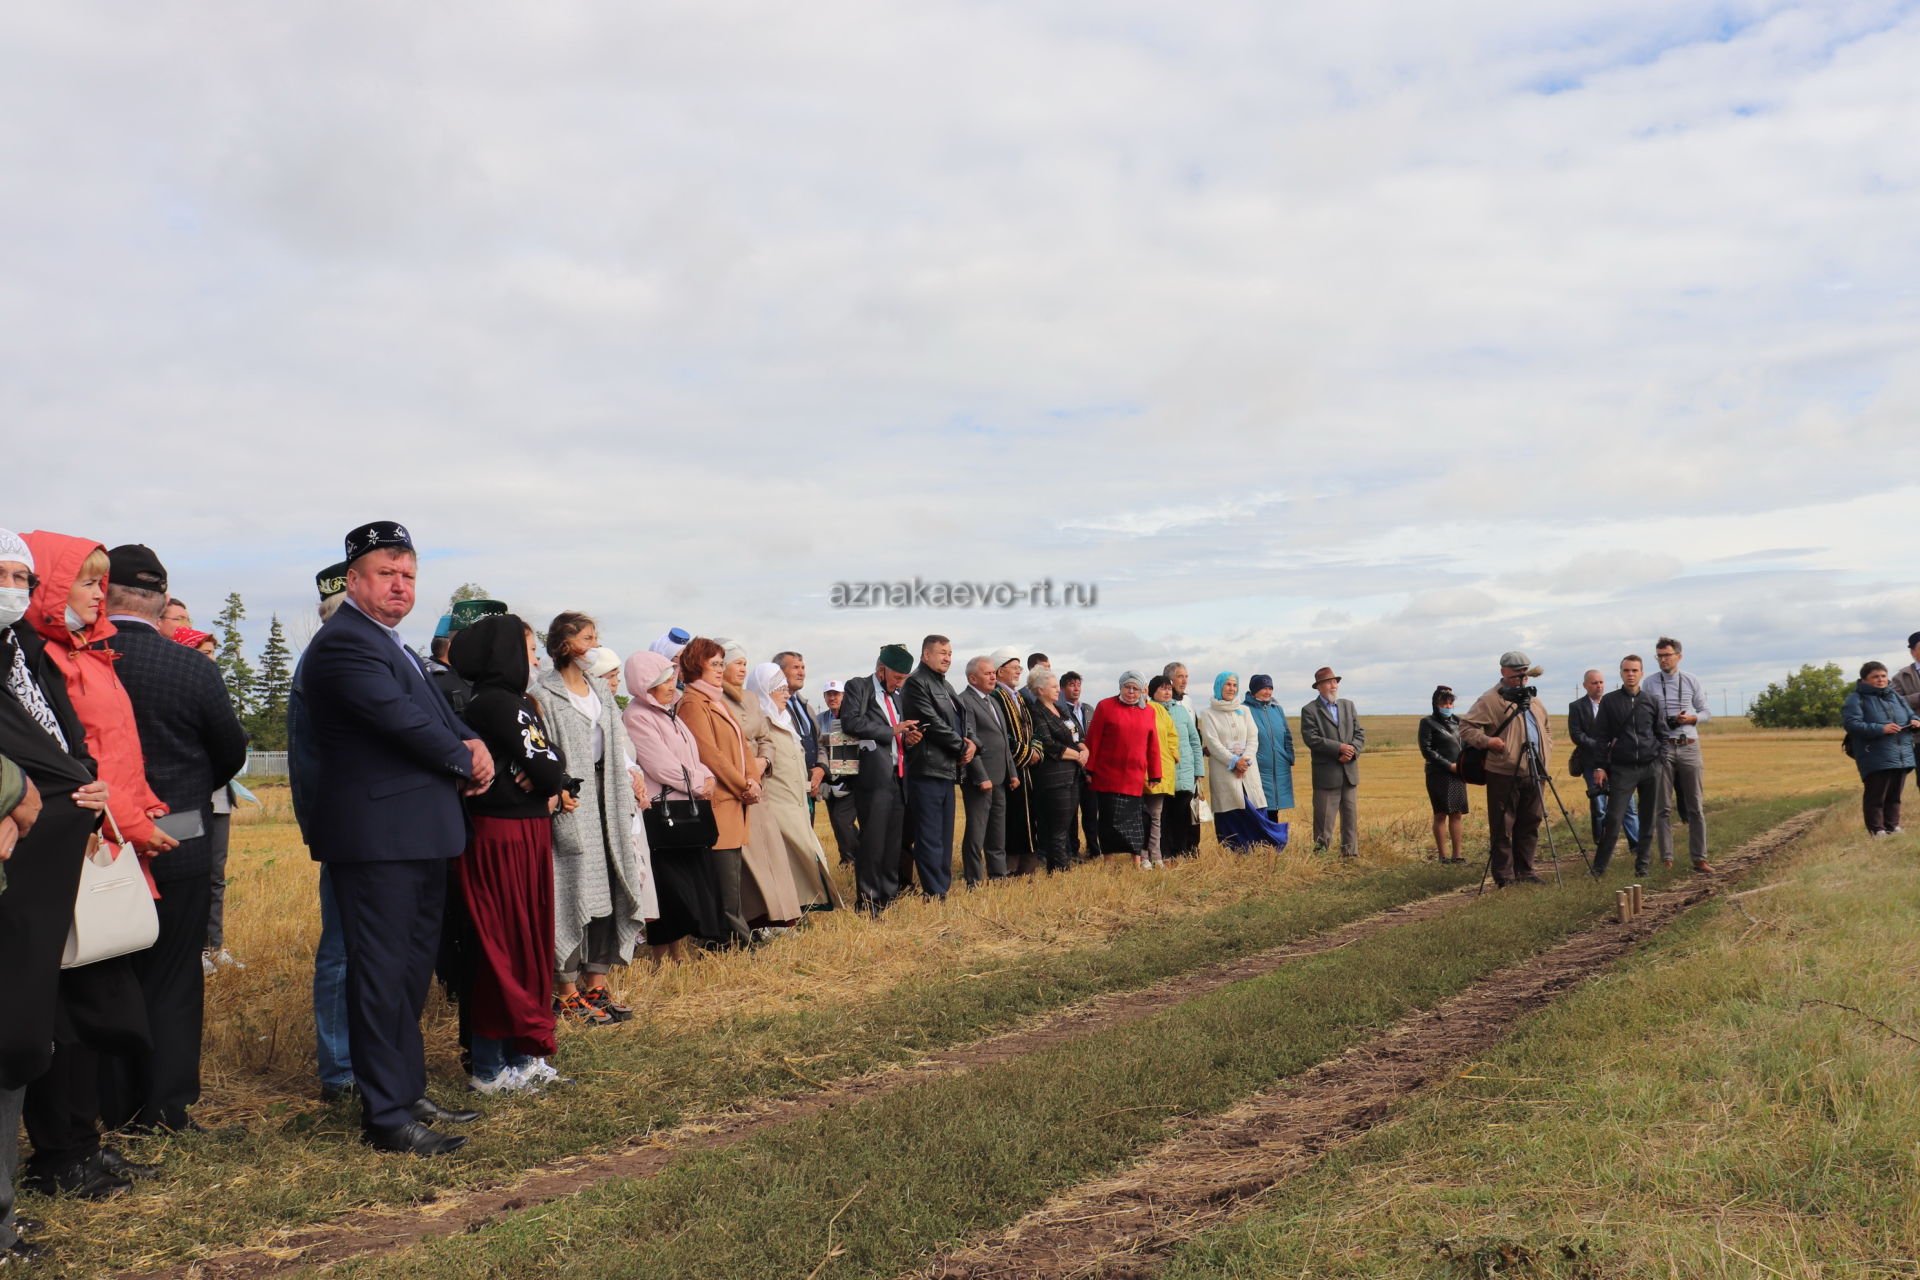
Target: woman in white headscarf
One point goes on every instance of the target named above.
(1232, 740)
(781, 819)
(769, 898)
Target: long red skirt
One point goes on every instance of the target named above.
(506, 874)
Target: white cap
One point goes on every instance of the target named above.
(14, 547)
(834, 686)
(1002, 656)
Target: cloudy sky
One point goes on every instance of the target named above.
(1381, 336)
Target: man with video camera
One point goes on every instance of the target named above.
(1510, 725)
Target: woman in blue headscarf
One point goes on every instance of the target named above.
(1274, 756)
(1232, 741)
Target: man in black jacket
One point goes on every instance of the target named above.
(934, 764)
(870, 713)
(193, 743)
(1628, 737)
(1583, 716)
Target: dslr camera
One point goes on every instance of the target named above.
(1521, 695)
(1673, 722)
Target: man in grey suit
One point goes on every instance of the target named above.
(1333, 733)
(989, 778)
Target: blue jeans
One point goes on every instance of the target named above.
(491, 1057)
(330, 1049)
(930, 818)
(1597, 813)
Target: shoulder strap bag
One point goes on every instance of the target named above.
(680, 825)
(113, 913)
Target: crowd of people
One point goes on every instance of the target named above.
(522, 812)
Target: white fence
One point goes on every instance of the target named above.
(265, 764)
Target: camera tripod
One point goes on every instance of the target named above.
(1538, 774)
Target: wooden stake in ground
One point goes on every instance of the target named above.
(1635, 890)
(1622, 905)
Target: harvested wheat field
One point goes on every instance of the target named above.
(952, 1089)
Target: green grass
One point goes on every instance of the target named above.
(305, 1166)
(942, 1160)
(1684, 1116)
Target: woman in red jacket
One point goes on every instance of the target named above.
(1124, 747)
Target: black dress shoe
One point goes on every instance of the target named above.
(21, 1254)
(426, 1111)
(411, 1137)
(89, 1179)
(117, 1163)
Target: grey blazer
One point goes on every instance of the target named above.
(1324, 738)
(987, 726)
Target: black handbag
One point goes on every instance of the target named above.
(680, 824)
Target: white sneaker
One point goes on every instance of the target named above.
(541, 1072)
(224, 958)
(206, 964)
(509, 1080)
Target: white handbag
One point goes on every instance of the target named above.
(113, 914)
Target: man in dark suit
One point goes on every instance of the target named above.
(983, 853)
(870, 713)
(381, 808)
(934, 764)
(193, 743)
(1081, 714)
(1583, 718)
(1333, 733)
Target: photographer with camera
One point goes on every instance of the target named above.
(1510, 725)
(1683, 704)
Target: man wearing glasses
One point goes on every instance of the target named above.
(1683, 707)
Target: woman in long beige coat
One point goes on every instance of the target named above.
(708, 715)
(782, 818)
(768, 897)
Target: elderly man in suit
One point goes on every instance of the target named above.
(870, 714)
(1334, 735)
(989, 779)
(380, 806)
(1583, 720)
(193, 743)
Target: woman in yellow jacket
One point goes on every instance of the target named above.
(1159, 693)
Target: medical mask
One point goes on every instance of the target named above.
(74, 621)
(13, 604)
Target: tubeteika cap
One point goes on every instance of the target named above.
(133, 564)
(443, 629)
(331, 580)
(467, 612)
(378, 535)
(1325, 673)
(1002, 656)
(895, 658)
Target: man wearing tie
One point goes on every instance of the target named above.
(387, 762)
(984, 851)
(870, 713)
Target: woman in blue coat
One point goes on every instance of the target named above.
(1275, 753)
(1877, 721)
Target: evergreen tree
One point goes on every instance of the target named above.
(232, 657)
(466, 591)
(272, 687)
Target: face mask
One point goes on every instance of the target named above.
(74, 620)
(13, 604)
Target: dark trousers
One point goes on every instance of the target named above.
(62, 1108)
(1597, 811)
(219, 837)
(1514, 815)
(390, 913)
(931, 807)
(1179, 833)
(1087, 826)
(983, 850)
(1627, 783)
(1020, 829)
(156, 1088)
(10, 1103)
(1880, 799)
(1054, 811)
(883, 818)
(843, 814)
(729, 870)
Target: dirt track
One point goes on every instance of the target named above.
(1121, 1228)
(385, 1231)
